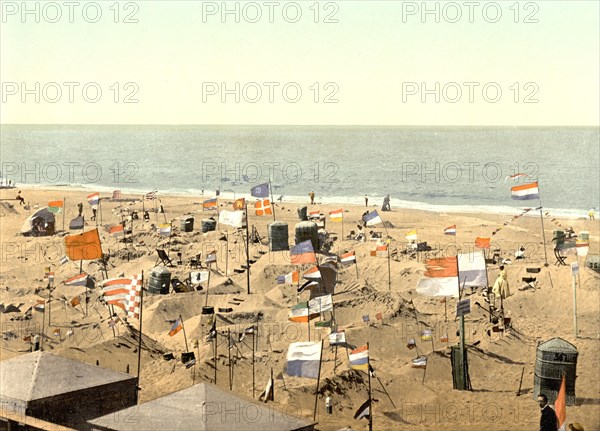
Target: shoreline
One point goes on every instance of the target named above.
(375, 201)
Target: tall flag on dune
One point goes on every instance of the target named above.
(442, 274)
(304, 359)
(313, 273)
(364, 411)
(359, 358)
(177, 326)
(291, 278)
(116, 231)
(260, 191)
(164, 229)
(303, 253)
(263, 207)
(321, 304)
(348, 258)
(93, 199)
(380, 251)
(515, 177)
(560, 405)
(337, 215)
(231, 218)
(412, 235)
(450, 230)
(372, 218)
(302, 313)
(481, 242)
(525, 191)
(78, 280)
(239, 204)
(209, 203)
(134, 297)
(55, 206)
(84, 246)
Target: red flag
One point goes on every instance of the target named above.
(560, 405)
(481, 242)
(85, 246)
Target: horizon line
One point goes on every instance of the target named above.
(302, 125)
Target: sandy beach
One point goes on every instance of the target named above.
(496, 359)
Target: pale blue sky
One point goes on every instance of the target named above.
(370, 55)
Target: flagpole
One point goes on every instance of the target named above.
(216, 346)
(253, 355)
(318, 381)
(43, 328)
(207, 286)
(388, 242)
(247, 251)
(184, 334)
(64, 210)
(370, 393)
(272, 201)
(462, 334)
(139, 358)
(229, 356)
(226, 252)
(542, 222)
(342, 224)
(272, 386)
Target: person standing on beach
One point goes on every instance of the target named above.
(386, 203)
(80, 209)
(548, 419)
(501, 289)
(592, 214)
(311, 195)
(366, 201)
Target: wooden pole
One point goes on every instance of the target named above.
(229, 356)
(247, 252)
(207, 286)
(318, 381)
(184, 334)
(216, 346)
(139, 358)
(253, 355)
(521, 382)
(272, 201)
(542, 223)
(226, 253)
(64, 211)
(574, 305)
(370, 393)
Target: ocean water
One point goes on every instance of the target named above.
(436, 168)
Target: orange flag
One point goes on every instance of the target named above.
(560, 405)
(85, 246)
(239, 204)
(482, 242)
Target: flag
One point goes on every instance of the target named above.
(450, 230)
(231, 218)
(209, 203)
(177, 326)
(560, 405)
(134, 297)
(64, 260)
(116, 194)
(211, 257)
(444, 338)
(380, 251)
(303, 253)
(56, 332)
(307, 284)
(320, 304)
(312, 273)
(379, 316)
(116, 231)
(84, 246)
(338, 337)
(164, 229)
(268, 394)
(124, 293)
(419, 362)
(359, 358)
(263, 207)
(49, 274)
(411, 344)
(336, 215)
(291, 278)
(348, 258)
(198, 276)
(442, 274)
(426, 335)
(314, 214)
(366, 318)
(324, 324)
(412, 236)
(260, 191)
(515, 177)
(55, 206)
(303, 359)
(582, 247)
(364, 411)
(239, 204)
(40, 305)
(75, 301)
(78, 280)
(372, 218)
(93, 199)
(149, 196)
(481, 242)
(526, 191)
(301, 313)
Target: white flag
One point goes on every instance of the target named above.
(231, 218)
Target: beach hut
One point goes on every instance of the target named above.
(62, 391)
(203, 407)
(40, 223)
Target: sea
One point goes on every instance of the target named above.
(447, 169)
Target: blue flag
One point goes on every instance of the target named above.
(260, 191)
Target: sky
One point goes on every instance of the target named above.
(503, 63)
